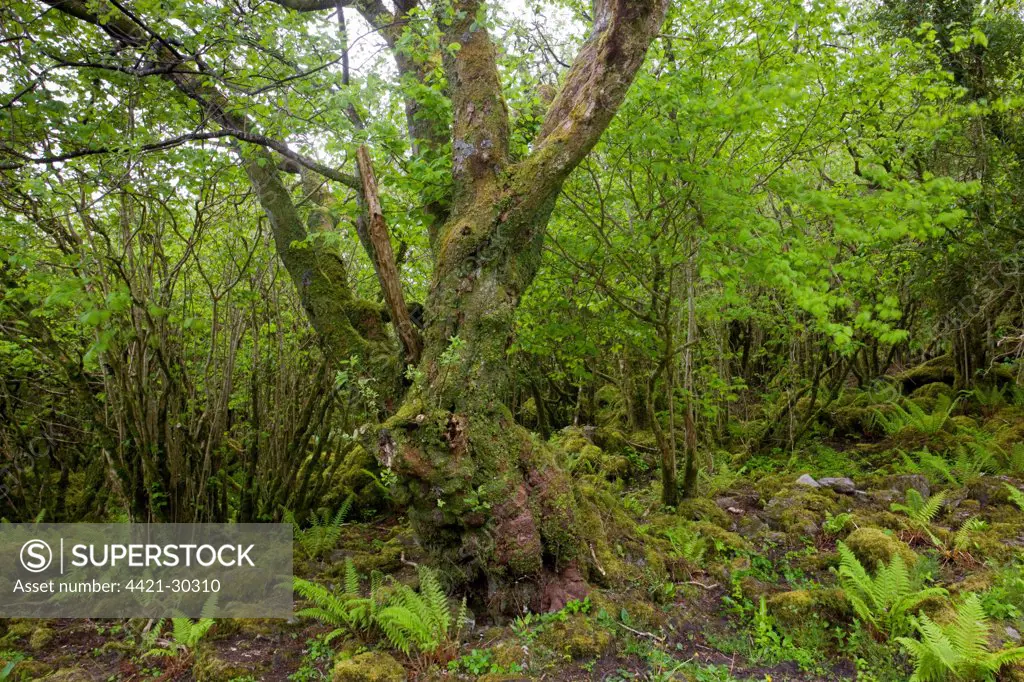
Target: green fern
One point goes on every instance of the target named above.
(685, 544)
(886, 600)
(187, 632)
(920, 511)
(989, 399)
(412, 622)
(1015, 460)
(962, 540)
(935, 467)
(972, 460)
(959, 650)
(910, 415)
(185, 636)
(420, 621)
(348, 612)
(323, 532)
(1016, 496)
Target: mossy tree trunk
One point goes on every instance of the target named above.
(488, 500)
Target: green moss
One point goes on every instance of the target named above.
(577, 637)
(873, 545)
(30, 670)
(41, 638)
(373, 666)
(357, 476)
(703, 509)
(208, 667)
(589, 460)
(932, 391)
(722, 542)
(938, 369)
(850, 421)
(798, 607)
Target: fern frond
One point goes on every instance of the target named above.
(351, 578)
(1016, 496)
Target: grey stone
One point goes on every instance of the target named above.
(806, 479)
(840, 485)
(1012, 633)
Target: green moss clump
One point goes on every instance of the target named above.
(799, 510)
(209, 668)
(703, 509)
(357, 476)
(577, 637)
(588, 461)
(722, 542)
(938, 369)
(28, 670)
(17, 628)
(850, 421)
(873, 545)
(41, 638)
(373, 666)
(798, 607)
(932, 391)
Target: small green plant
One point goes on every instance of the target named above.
(324, 530)
(883, 601)
(834, 525)
(958, 650)
(1004, 600)
(685, 544)
(421, 621)
(990, 399)
(481, 662)
(12, 659)
(477, 500)
(1015, 460)
(771, 646)
(185, 635)
(920, 511)
(450, 357)
(963, 540)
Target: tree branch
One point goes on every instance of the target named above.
(596, 84)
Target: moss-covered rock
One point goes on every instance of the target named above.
(873, 545)
(577, 637)
(850, 420)
(29, 670)
(41, 638)
(703, 509)
(938, 369)
(799, 509)
(797, 607)
(373, 666)
(932, 391)
(210, 667)
(723, 543)
(19, 628)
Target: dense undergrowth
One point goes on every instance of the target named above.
(892, 553)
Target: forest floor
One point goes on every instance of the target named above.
(749, 588)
